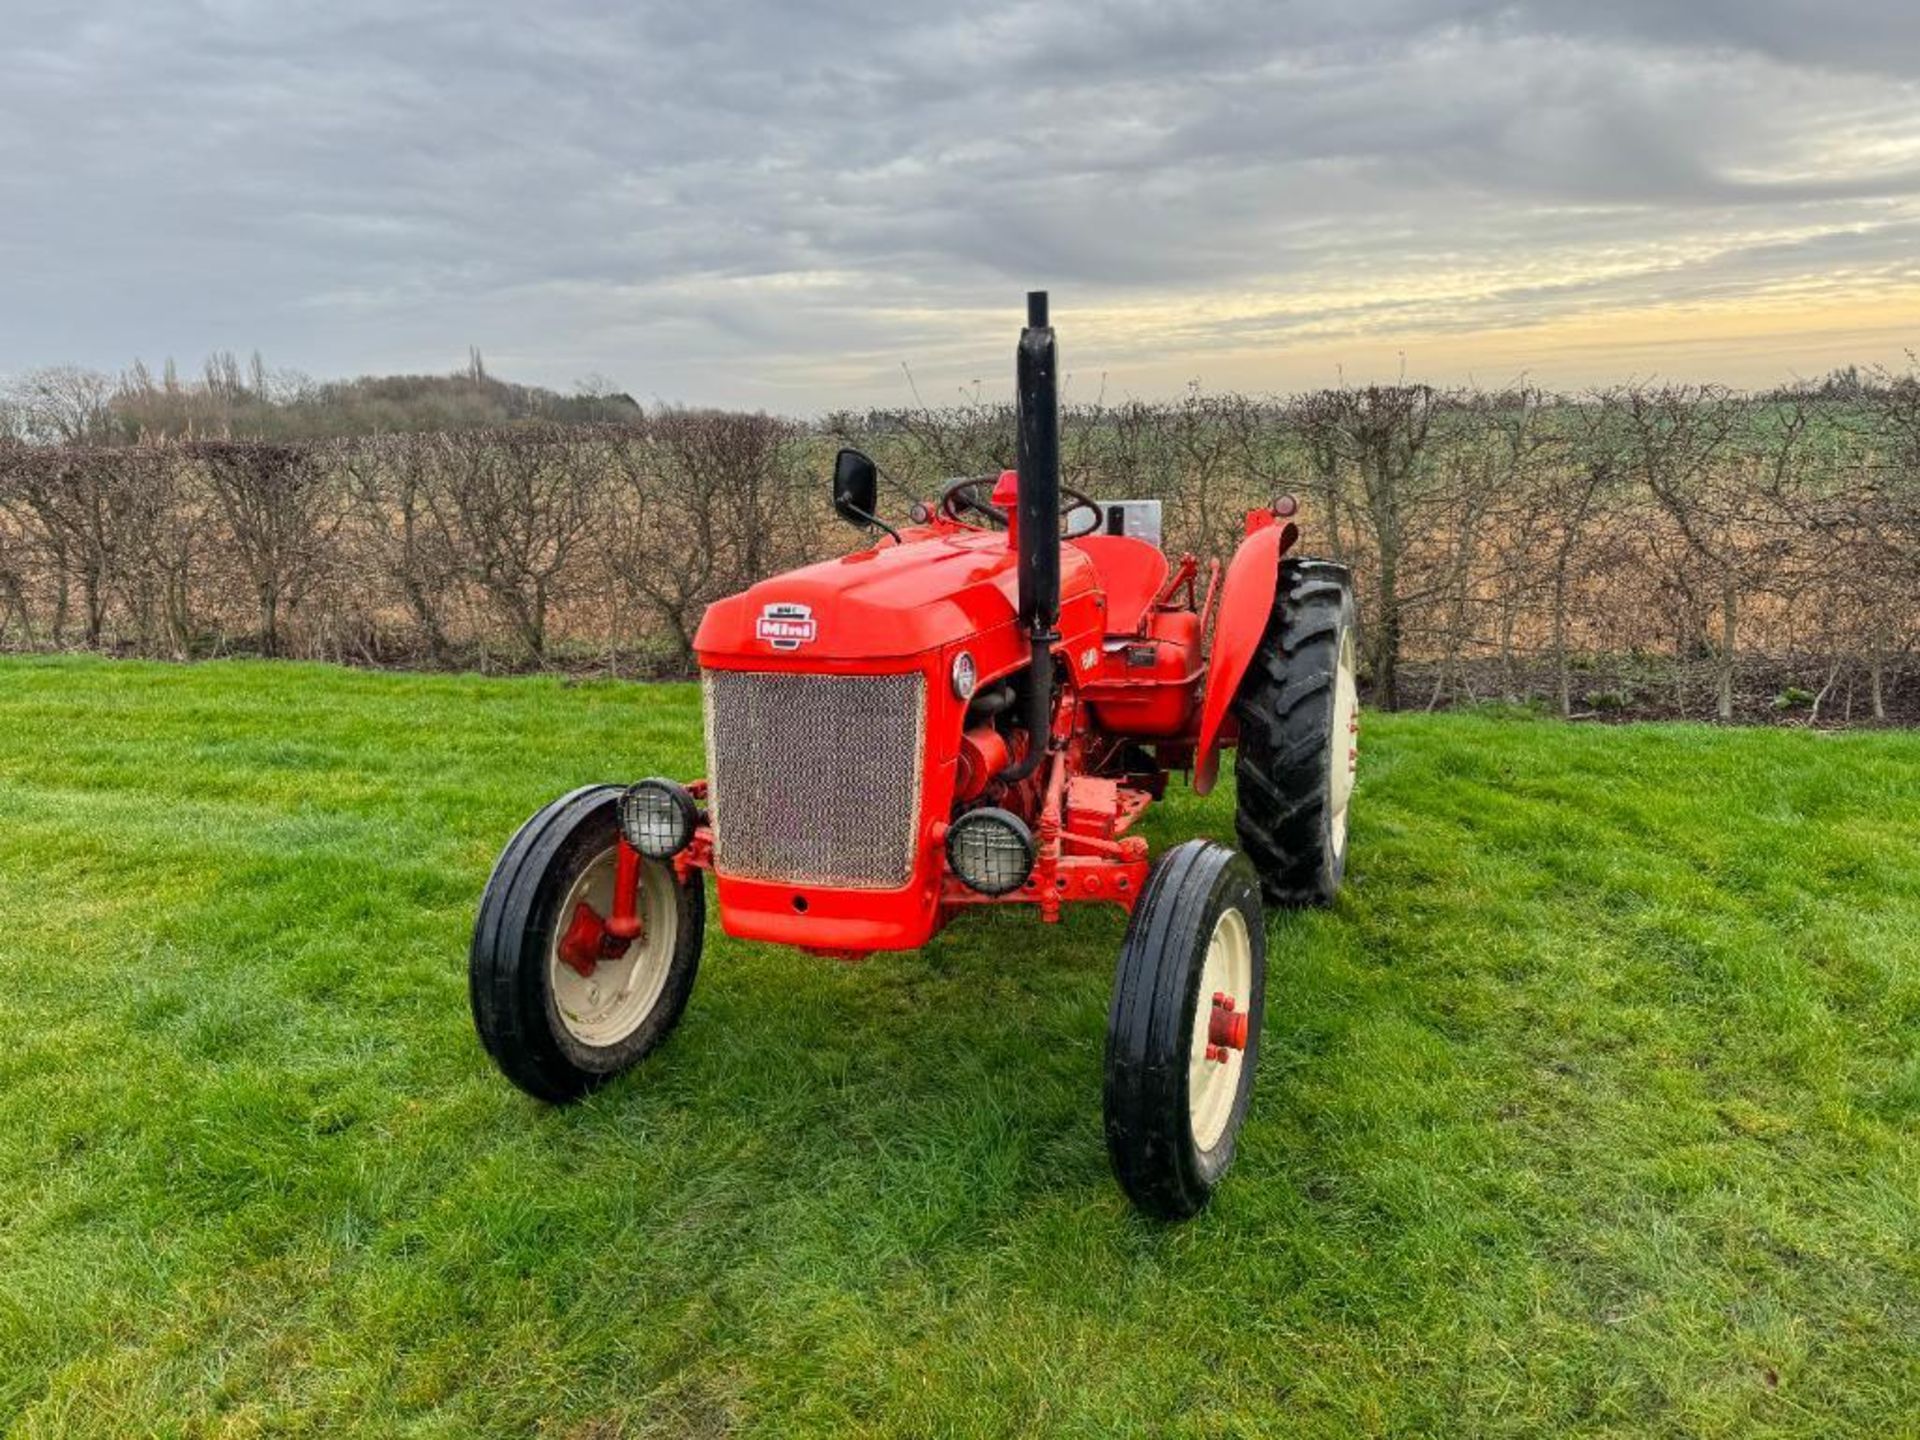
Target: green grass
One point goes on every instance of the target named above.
(1594, 1106)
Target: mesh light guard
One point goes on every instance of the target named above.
(991, 850)
(815, 779)
(657, 818)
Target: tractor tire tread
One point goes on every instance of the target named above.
(1148, 1129)
(1285, 712)
(507, 982)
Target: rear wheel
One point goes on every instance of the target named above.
(1299, 715)
(1184, 1031)
(561, 1006)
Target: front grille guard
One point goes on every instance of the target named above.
(815, 779)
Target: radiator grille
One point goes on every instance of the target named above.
(815, 779)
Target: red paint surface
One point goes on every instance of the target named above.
(1128, 669)
(1246, 604)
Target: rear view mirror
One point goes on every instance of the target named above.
(856, 487)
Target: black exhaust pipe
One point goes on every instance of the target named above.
(1037, 385)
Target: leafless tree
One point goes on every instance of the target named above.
(1381, 431)
(514, 508)
(279, 509)
(391, 481)
(84, 505)
(1577, 490)
(15, 559)
(1885, 524)
(1675, 434)
(711, 503)
(62, 405)
(167, 519)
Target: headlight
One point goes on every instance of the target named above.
(657, 817)
(991, 850)
(965, 676)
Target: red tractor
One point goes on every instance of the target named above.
(973, 710)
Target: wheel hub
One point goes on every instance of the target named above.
(1226, 1028)
(604, 985)
(1218, 1044)
(587, 941)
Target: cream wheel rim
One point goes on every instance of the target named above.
(1213, 1071)
(1343, 761)
(606, 1006)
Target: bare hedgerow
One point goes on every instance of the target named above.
(278, 507)
(1581, 486)
(162, 586)
(709, 502)
(392, 481)
(1379, 433)
(78, 507)
(514, 509)
(976, 436)
(1676, 438)
(1507, 543)
(1884, 521)
(1206, 447)
(16, 549)
(1487, 506)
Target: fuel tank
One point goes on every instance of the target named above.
(1147, 685)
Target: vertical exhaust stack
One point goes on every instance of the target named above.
(1037, 387)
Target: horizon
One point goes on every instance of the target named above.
(1445, 190)
(285, 384)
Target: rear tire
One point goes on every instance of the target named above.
(1299, 716)
(1173, 1112)
(554, 1032)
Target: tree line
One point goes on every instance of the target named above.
(1638, 549)
(229, 399)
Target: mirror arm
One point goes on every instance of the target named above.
(874, 520)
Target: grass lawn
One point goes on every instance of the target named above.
(1594, 1106)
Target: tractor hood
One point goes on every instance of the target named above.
(939, 586)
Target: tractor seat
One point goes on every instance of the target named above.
(1131, 572)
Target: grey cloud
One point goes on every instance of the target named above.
(779, 204)
(1870, 37)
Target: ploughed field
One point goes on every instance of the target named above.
(1593, 1106)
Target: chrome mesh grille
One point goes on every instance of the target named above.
(815, 779)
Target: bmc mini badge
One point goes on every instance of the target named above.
(786, 626)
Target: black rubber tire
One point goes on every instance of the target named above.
(1156, 988)
(1283, 763)
(507, 967)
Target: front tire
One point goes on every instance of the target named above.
(558, 1021)
(1299, 714)
(1184, 1032)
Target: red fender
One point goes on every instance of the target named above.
(1246, 603)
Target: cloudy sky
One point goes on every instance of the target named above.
(786, 204)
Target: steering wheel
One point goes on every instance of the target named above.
(969, 496)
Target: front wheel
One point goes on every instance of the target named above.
(1184, 1031)
(561, 1006)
